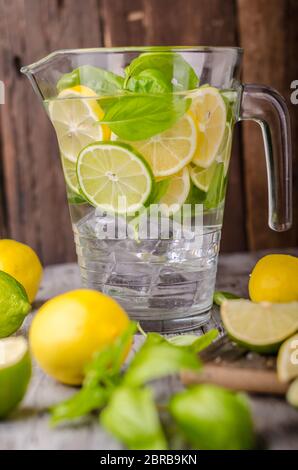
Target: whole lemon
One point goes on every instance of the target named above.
(21, 262)
(274, 279)
(69, 328)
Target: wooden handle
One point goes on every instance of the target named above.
(255, 381)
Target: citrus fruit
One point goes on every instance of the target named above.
(70, 174)
(292, 394)
(114, 177)
(213, 418)
(15, 373)
(14, 304)
(202, 177)
(21, 262)
(210, 113)
(274, 279)
(69, 328)
(75, 117)
(260, 327)
(168, 152)
(224, 152)
(176, 193)
(287, 360)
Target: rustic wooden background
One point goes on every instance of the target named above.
(33, 205)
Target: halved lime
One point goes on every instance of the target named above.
(15, 372)
(70, 174)
(287, 360)
(202, 177)
(114, 177)
(292, 394)
(261, 326)
(14, 304)
(176, 193)
(76, 115)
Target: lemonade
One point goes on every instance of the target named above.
(145, 158)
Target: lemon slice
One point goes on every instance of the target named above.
(224, 153)
(210, 113)
(202, 177)
(261, 326)
(287, 360)
(75, 117)
(176, 193)
(114, 177)
(15, 372)
(70, 174)
(168, 152)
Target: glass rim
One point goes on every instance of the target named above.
(122, 49)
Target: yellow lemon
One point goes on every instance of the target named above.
(274, 279)
(21, 262)
(69, 328)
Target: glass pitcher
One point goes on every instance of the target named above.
(145, 137)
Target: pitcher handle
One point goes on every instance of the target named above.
(268, 108)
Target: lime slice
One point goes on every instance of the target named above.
(114, 177)
(14, 305)
(292, 394)
(75, 117)
(287, 360)
(15, 372)
(176, 193)
(202, 177)
(70, 174)
(168, 152)
(262, 326)
(210, 113)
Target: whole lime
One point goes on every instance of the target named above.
(15, 373)
(14, 304)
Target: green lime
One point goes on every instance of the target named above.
(292, 394)
(213, 418)
(114, 177)
(70, 174)
(287, 360)
(15, 373)
(14, 304)
(261, 327)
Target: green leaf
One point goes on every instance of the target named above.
(80, 404)
(159, 190)
(193, 342)
(176, 72)
(99, 80)
(220, 296)
(216, 192)
(213, 418)
(131, 416)
(139, 117)
(158, 358)
(149, 81)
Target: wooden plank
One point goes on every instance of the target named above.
(268, 33)
(35, 193)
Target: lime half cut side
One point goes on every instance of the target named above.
(287, 360)
(114, 177)
(292, 394)
(261, 327)
(15, 373)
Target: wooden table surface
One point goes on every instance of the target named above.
(276, 422)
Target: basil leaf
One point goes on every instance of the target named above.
(131, 416)
(213, 418)
(80, 404)
(159, 190)
(216, 192)
(149, 81)
(194, 342)
(158, 358)
(177, 73)
(99, 80)
(139, 117)
(220, 296)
